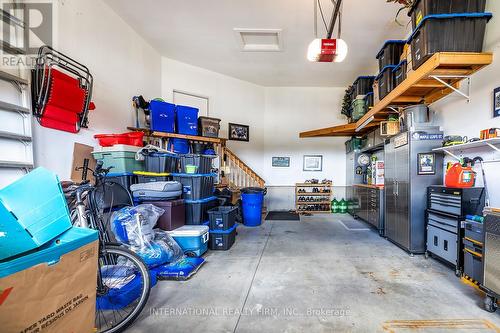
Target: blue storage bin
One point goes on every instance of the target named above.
(33, 211)
(187, 120)
(193, 239)
(51, 252)
(178, 146)
(120, 298)
(162, 116)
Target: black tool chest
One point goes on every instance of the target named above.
(447, 208)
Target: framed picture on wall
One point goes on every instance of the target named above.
(239, 132)
(281, 162)
(426, 163)
(496, 102)
(313, 163)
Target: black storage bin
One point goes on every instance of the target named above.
(161, 162)
(423, 8)
(197, 211)
(390, 53)
(202, 162)
(208, 127)
(222, 240)
(385, 81)
(363, 85)
(151, 177)
(222, 217)
(400, 73)
(369, 100)
(195, 186)
(124, 179)
(448, 33)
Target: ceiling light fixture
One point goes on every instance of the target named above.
(328, 49)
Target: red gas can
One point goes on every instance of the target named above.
(460, 176)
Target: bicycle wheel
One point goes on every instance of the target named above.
(123, 288)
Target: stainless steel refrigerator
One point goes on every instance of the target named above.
(410, 167)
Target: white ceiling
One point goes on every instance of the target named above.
(200, 33)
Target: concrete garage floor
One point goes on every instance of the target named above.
(316, 276)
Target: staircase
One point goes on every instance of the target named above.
(237, 173)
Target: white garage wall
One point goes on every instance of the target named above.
(231, 100)
(122, 63)
(288, 112)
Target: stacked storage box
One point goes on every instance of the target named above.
(222, 223)
(197, 186)
(446, 26)
(120, 158)
(388, 58)
(362, 87)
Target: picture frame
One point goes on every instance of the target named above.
(280, 162)
(313, 163)
(238, 132)
(426, 164)
(496, 102)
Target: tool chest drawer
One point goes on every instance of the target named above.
(445, 203)
(456, 201)
(448, 223)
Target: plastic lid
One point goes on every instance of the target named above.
(228, 231)
(448, 16)
(163, 153)
(194, 174)
(189, 231)
(363, 77)
(201, 200)
(118, 174)
(151, 174)
(117, 148)
(197, 155)
(390, 41)
(398, 66)
(391, 67)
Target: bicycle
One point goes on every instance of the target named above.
(117, 265)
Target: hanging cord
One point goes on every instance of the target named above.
(322, 15)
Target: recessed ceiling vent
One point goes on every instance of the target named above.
(259, 40)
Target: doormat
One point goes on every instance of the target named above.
(282, 216)
(432, 326)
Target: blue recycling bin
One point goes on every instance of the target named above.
(252, 199)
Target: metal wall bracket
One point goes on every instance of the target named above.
(440, 79)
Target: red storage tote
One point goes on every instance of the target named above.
(131, 139)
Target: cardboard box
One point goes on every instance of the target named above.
(52, 297)
(82, 158)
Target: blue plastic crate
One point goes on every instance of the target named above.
(162, 116)
(33, 211)
(178, 146)
(50, 253)
(187, 120)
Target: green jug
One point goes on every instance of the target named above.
(335, 206)
(343, 206)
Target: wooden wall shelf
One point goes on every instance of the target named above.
(419, 87)
(153, 134)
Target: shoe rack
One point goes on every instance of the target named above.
(313, 198)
